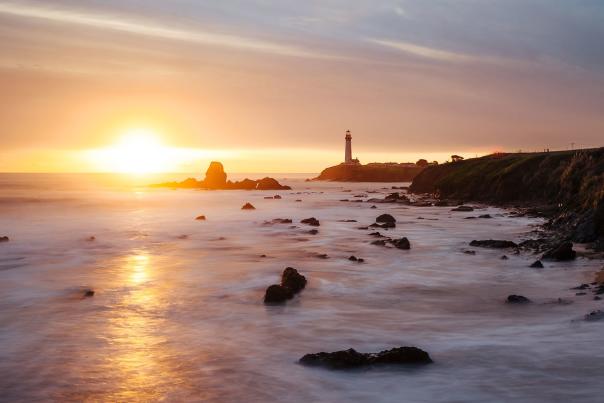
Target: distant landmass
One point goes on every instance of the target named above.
(216, 179)
(373, 172)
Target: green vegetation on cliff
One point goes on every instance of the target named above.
(571, 180)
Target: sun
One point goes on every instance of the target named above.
(139, 151)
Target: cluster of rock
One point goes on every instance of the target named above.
(4, 239)
(216, 179)
(292, 283)
(349, 359)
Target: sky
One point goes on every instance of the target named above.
(272, 85)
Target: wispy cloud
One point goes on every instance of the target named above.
(425, 52)
(132, 26)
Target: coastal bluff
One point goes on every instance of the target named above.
(216, 179)
(568, 186)
(373, 172)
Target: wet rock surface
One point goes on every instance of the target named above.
(312, 221)
(248, 206)
(494, 243)
(517, 299)
(292, 282)
(349, 359)
(561, 252)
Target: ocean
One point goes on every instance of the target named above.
(177, 312)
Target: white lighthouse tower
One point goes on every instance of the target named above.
(348, 151)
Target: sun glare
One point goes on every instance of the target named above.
(138, 151)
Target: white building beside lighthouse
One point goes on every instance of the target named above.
(348, 150)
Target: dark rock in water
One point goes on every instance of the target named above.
(360, 260)
(293, 280)
(485, 216)
(313, 231)
(580, 293)
(379, 242)
(248, 206)
(581, 287)
(494, 243)
(353, 258)
(311, 221)
(384, 225)
(377, 234)
(277, 293)
(517, 299)
(263, 255)
(504, 257)
(402, 243)
(88, 293)
(4, 239)
(594, 315)
(298, 200)
(277, 197)
(373, 207)
(537, 265)
(463, 208)
(347, 359)
(347, 220)
(563, 251)
(268, 197)
(282, 221)
(91, 238)
(597, 298)
(200, 218)
(385, 218)
(469, 252)
(323, 256)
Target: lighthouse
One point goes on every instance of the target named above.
(348, 152)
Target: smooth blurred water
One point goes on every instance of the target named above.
(178, 313)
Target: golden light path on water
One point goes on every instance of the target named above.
(139, 356)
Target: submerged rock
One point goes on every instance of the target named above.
(562, 252)
(4, 239)
(276, 293)
(463, 208)
(353, 258)
(494, 243)
(282, 221)
(248, 206)
(311, 221)
(537, 265)
(402, 243)
(88, 293)
(594, 315)
(347, 359)
(200, 218)
(313, 231)
(517, 299)
(504, 257)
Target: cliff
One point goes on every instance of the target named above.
(375, 172)
(216, 179)
(570, 181)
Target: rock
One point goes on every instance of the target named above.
(323, 256)
(441, 203)
(270, 184)
(377, 234)
(373, 207)
(504, 257)
(293, 280)
(282, 221)
(311, 221)
(277, 197)
(347, 359)
(347, 220)
(298, 200)
(581, 293)
(200, 218)
(494, 243)
(385, 225)
(402, 243)
(597, 298)
(183, 236)
(313, 231)
(215, 176)
(91, 238)
(385, 218)
(562, 252)
(248, 206)
(594, 315)
(379, 242)
(268, 197)
(517, 299)
(359, 260)
(88, 293)
(4, 239)
(537, 264)
(469, 252)
(581, 287)
(485, 216)
(263, 255)
(463, 208)
(277, 293)
(353, 258)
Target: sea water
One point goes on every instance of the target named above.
(177, 313)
